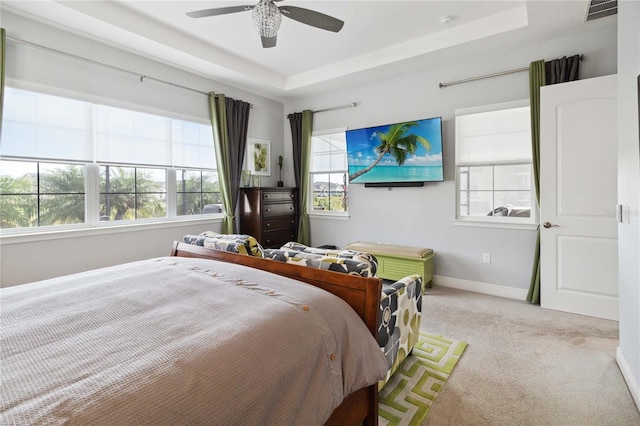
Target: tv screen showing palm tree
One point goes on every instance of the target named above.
(395, 153)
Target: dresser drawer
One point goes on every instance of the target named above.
(283, 222)
(277, 196)
(278, 209)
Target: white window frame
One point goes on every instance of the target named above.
(326, 214)
(92, 194)
(530, 222)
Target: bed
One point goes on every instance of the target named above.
(163, 341)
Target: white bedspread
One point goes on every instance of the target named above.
(179, 341)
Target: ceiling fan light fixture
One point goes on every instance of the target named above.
(266, 18)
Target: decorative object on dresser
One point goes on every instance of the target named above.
(396, 261)
(269, 214)
(280, 164)
(246, 178)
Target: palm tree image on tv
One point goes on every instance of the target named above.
(408, 151)
(396, 143)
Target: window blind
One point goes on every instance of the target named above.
(48, 127)
(493, 137)
(328, 152)
(36, 125)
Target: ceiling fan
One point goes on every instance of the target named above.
(267, 17)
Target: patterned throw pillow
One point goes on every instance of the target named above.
(330, 263)
(234, 243)
(338, 253)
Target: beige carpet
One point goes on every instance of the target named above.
(525, 365)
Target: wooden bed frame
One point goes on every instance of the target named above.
(362, 294)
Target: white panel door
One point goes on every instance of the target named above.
(578, 187)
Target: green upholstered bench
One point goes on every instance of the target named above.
(396, 261)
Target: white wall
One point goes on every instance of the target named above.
(423, 216)
(38, 257)
(629, 193)
(25, 259)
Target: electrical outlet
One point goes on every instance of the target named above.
(486, 257)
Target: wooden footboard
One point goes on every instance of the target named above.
(362, 294)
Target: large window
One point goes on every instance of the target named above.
(493, 165)
(70, 162)
(329, 172)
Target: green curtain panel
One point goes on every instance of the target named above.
(537, 79)
(304, 230)
(218, 117)
(3, 42)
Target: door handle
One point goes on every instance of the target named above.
(548, 225)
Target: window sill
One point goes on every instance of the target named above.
(330, 216)
(56, 234)
(492, 224)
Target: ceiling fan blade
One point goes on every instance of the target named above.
(311, 17)
(269, 41)
(219, 11)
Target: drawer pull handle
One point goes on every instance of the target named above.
(268, 210)
(268, 225)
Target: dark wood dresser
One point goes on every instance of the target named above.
(269, 214)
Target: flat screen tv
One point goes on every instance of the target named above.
(400, 154)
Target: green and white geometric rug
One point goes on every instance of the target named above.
(406, 399)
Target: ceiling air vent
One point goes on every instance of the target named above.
(601, 8)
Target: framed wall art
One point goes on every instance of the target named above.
(258, 157)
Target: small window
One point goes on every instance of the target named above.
(198, 192)
(34, 193)
(130, 193)
(329, 173)
(494, 177)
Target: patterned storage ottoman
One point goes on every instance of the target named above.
(396, 261)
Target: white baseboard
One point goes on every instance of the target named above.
(632, 383)
(480, 287)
